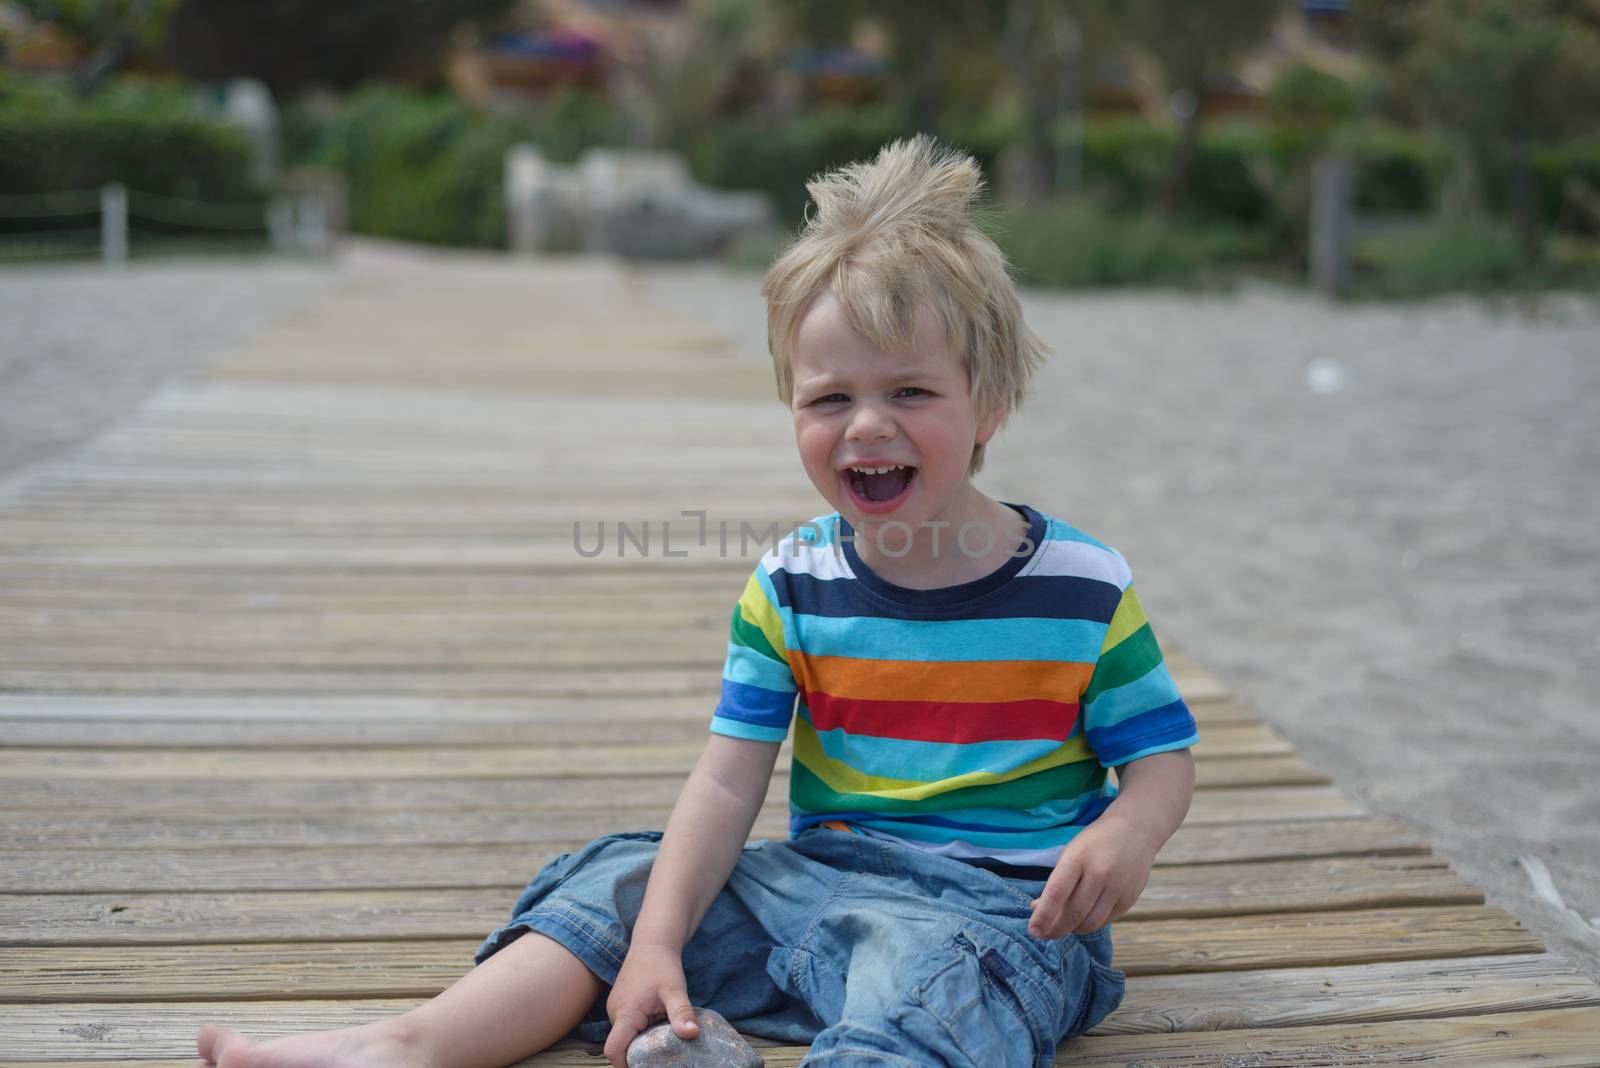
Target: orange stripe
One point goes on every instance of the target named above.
(837, 825)
(942, 680)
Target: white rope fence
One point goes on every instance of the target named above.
(295, 223)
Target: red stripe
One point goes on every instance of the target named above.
(943, 721)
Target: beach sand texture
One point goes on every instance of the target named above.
(1376, 524)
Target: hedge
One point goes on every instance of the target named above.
(155, 139)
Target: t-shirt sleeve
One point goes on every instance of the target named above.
(758, 689)
(1131, 707)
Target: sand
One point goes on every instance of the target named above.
(1376, 524)
(81, 345)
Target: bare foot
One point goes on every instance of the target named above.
(389, 1044)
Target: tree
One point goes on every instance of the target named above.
(1192, 43)
(1053, 49)
(1044, 50)
(1492, 77)
(111, 32)
(296, 44)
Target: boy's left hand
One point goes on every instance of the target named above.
(1100, 875)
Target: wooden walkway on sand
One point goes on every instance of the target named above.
(301, 679)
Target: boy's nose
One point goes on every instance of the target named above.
(869, 424)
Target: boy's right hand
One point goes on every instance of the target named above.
(650, 985)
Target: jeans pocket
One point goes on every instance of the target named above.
(1102, 993)
(980, 999)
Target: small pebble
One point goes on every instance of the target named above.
(717, 1045)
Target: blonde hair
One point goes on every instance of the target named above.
(894, 234)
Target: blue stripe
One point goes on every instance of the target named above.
(949, 641)
(1034, 596)
(753, 704)
(1168, 724)
(914, 761)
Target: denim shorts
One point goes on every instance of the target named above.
(871, 951)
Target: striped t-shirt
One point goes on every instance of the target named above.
(977, 720)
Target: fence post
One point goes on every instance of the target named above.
(311, 218)
(113, 223)
(280, 223)
(1330, 224)
(524, 170)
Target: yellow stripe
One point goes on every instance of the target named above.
(760, 612)
(846, 780)
(1128, 618)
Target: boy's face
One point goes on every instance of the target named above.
(858, 406)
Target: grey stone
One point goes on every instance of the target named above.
(717, 1045)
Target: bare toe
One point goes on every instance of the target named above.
(214, 1043)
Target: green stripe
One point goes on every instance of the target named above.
(1069, 780)
(1133, 658)
(751, 636)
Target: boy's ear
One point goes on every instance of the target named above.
(989, 425)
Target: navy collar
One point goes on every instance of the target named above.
(948, 595)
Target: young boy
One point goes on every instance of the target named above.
(966, 670)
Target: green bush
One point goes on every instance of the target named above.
(779, 160)
(430, 168)
(1398, 172)
(1438, 258)
(156, 139)
(1124, 160)
(1552, 167)
(1310, 100)
(1088, 246)
(1468, 256)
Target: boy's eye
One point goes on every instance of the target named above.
(831, 398)
(911, 389)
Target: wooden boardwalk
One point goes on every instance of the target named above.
(301, 679)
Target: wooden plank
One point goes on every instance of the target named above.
(558, 680)
(535, 797)
(402, 714)
(440, 762)
(1205, 843)
(1554, 1038)
(1223, 740)
(1327, 938)
(130, 831)
(405, 969)
(1548, 1038)
(1324, 883)
(1391, 990)
(459, 861)
(374, 913)
(1154, 1005)
(598, 579)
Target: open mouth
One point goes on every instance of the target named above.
(879, 489)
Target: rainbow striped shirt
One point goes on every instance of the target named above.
(977, 720)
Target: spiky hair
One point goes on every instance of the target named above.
(894, 234)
